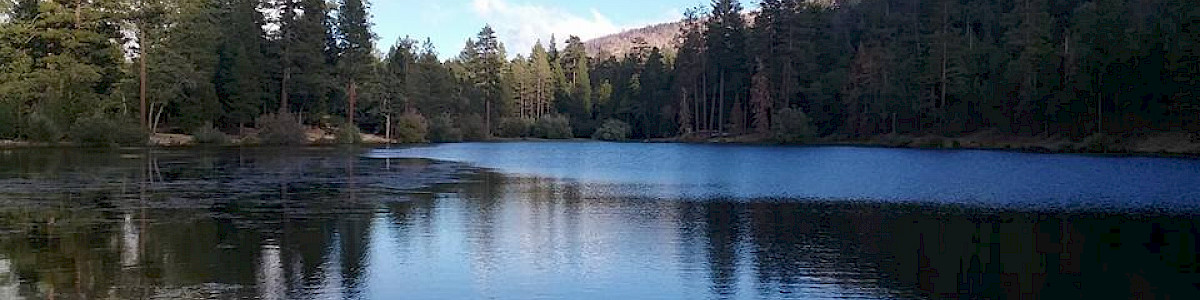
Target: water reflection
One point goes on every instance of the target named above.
(326, 224)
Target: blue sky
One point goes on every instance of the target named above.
(518, 23)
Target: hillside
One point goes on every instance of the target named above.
(659, 35)
(663, 36)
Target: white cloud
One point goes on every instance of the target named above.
(519, 26)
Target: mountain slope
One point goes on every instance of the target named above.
(664, 36)
(659, 35)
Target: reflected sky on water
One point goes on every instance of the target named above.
(338, 224)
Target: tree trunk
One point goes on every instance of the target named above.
(487, 119)
(142, 79)
(706, 108)
(283, 92)
(695, 108)
(78, 13)
(945, 59)
(157, 118)
(894, 123)
(1099, 106)
(353, 94)
(721, 106)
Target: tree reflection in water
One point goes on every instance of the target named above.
(325, 223)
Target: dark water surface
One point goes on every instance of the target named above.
(594, 221)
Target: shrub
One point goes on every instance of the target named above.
(443, 130)
(249, 140)
(92, 131)
(791, 125)
(515, 127)
(585, 126)
(330, 122)
(1100, 143)
(126, 132)
(348, 134)
(473, 127)
(280, 129)
(42, 129)
(208, 135)
(102, 130)
(552, 127)
(9, 121)
(612, 130)
(411, 127)
(930, 142)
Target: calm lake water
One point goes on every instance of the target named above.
(595, 221)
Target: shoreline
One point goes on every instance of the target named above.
(1177, 145)
(1172, 144)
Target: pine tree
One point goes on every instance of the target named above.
(356, 47)
(399, 74)
(304, 71)
(523, 87)
(543, 83)
(578, 79)
(761, 102)
(182, 63)
(239, 78)
(432, 86)
(484, 63)
(685, 113)
(603, 96)
(725, 43)
(689, 69)
(149, 19)
(1029, 41)
(60, 62)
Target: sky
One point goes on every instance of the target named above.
(518, 23)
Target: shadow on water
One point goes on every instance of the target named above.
(327, 224)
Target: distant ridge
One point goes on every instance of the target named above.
(659, 35)
(663, 35)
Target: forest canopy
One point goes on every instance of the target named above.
(791, 69)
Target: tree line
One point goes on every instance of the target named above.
(943, 67)
(794, 70)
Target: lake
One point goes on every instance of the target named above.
(590, 220)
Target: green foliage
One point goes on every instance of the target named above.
(9, 121)
(483, 63)
(42, 129)
(301, 52)
(103, 130)
(357, 40)
(348, 134)
(473, 127)
(411, 127)
(92, 131)
(209, 135)
(515, 127)
(552, 127)
(443, 130)
(127, 132)
(1037, 67)
(51, 66)
(612, 130)
(240, 76)
(792, 125)
(578, 75)
(280, 129)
